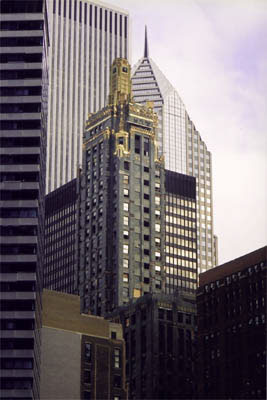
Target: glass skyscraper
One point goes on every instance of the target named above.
(181, 145)
(85, 38)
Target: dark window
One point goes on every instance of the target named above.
(116, 23)
(146, 209)
(161, 313)
(120, 25)
(87, 395)
(188, 318)
(113, 335)
(87, 376)
(65, 8)
(126, 165)
(16, 343)
(110, 22)
(146, 182)
(137, 144)
(20, 142)
(7, 74)
(125, 31)
(85, 13)
(180, 317)
(19, 159)
(88, 352)
(169, 315)
(18, 212)
(90, 15)
(20, 57)
(106, 20)
(70, 9)
(20, 108)
(146, 280)
(21, 25)
(146, 265)
(15, 267)
(146, 252)
(117, 381)
(17, 249)
(100, 22)
(59, 7)
(146, 223)
(16, 6)
(146, 237)
(146, 169)
(17, 305)
(95, 16)
(146, 196)
(21, 91)
(18, 41)
(80, 17)
(15, 230)
(18, 286)
(20, 124)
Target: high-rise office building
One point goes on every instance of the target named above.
(86, 36)
(122, 201)
(181, 144)
(23, 108)
(231, 305)
(60, 264)
(181, 233)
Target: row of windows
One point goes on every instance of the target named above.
(20, 108)
(20, 142)
(22, 25)
(180, 211)
(17, 324)
(180, 252)
(14, 249)
(22, 159)
(18, 212)
(17, 6)
(172, 201)
(181, 262)
(20, 90)
(21, 41)
(174, 230)
(20, 124)
(8, 74)
(21, 230)
(180, 242)
(17, 305)
(180, 221)
(21, 57)
(25, 194)
(15, 267)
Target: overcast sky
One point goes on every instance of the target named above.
(214, 52)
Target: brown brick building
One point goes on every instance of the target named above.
(231, 305)
(83, 356)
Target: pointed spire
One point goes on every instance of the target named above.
(146, 45)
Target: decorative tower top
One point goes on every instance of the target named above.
(146, 45)
(120, 82)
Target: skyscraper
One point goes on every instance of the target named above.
(181, 144)
(85, 38)
(23, 108)
(122, 201)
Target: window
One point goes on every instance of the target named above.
(137, 144)
(125, 234)
(146, 223)
(126, 206)
(157, 255)
(113, 335)
(146, 210)
(126, 192)
(157, 227)
(146, 182)
(157, 200)
(126, 165)
(157, 213)
(117, 358)
(126, 220)
(117, 381)
(87, 376)
(146, 237)
(146, 146)
(126, 179)
(125, 277)
(146, 196)
(125, 249)
(146, 252)
(125, 292)
(125, 263)
(88, 352)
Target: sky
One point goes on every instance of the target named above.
(214, 52)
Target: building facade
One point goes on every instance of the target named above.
(159, 331)
(231, 306)
(180, 233)
(122, 202)
(86, 36)
(23, 111)
(60, 264)
(182, 146)
(83, 356)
